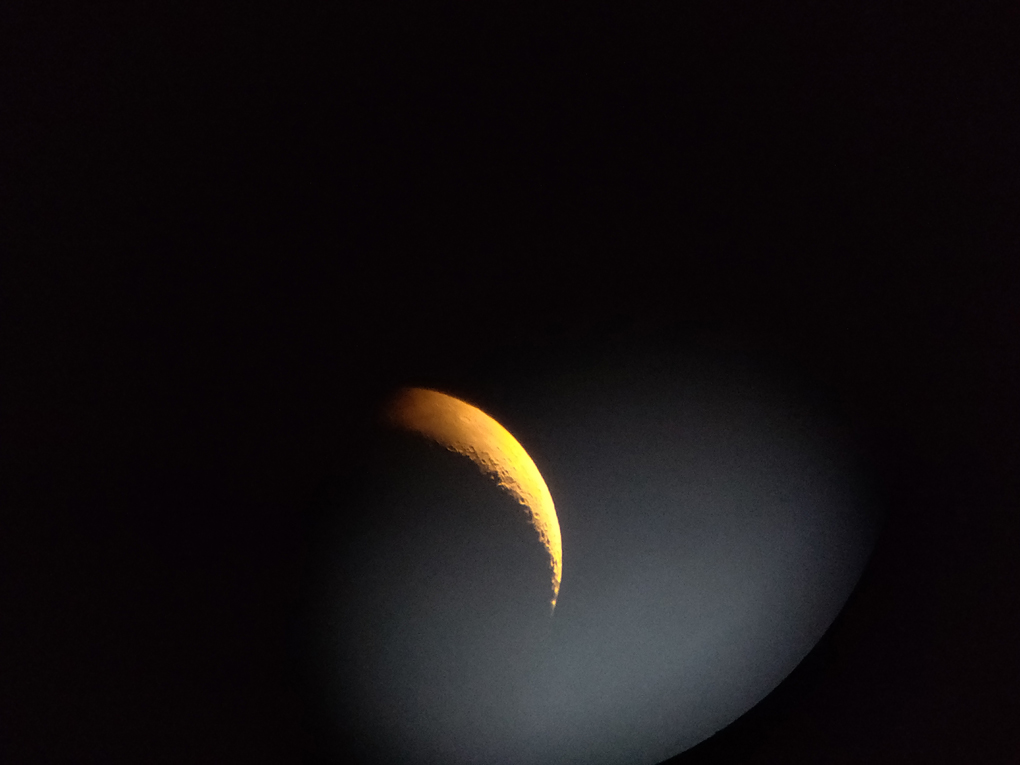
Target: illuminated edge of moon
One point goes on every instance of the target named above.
(470, 432)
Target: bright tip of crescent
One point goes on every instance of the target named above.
(470, 432)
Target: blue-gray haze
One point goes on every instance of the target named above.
(712, 527)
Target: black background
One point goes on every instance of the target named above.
(234, 228)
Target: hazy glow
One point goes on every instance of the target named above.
(469, 431)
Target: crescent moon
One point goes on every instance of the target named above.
(470, 432)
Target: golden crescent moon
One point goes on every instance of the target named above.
(470, 432)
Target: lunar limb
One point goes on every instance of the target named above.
(470, 432)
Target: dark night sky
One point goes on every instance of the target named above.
(234, 229)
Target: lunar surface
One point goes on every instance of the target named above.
(469, 431)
